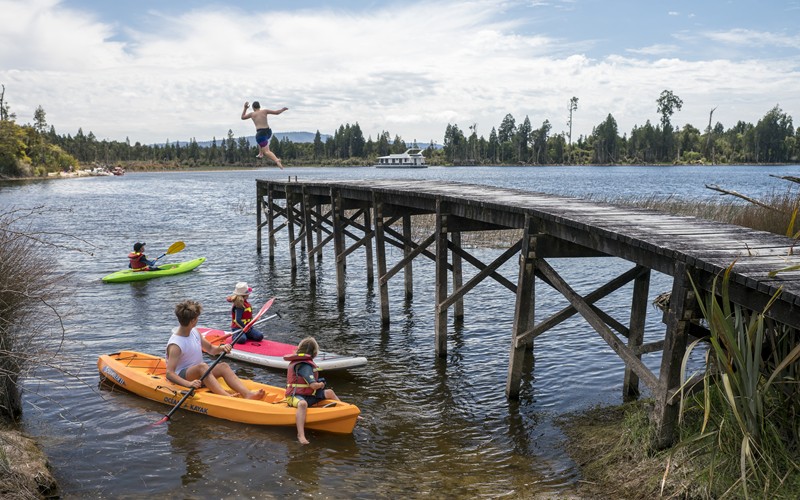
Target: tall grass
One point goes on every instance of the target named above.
(743, 425)
(30, 335)
(778, 219)
(27, 289)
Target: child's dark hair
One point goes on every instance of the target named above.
(187, 310)
(256, 105)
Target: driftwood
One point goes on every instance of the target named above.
(789, 178)
(714, 187)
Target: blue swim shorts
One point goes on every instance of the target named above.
(263, 135)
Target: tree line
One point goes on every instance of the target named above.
(772, 140)
(36, 149)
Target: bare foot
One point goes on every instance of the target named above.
(280, 165)
(302, 440)
(259, 394)
(259, 155)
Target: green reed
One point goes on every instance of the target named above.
(746, 417)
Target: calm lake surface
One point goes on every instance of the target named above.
(431, 426)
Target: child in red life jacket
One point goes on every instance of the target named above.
(242, 313)
(138, 260)
(304, 387)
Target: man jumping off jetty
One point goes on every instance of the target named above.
(263, 132)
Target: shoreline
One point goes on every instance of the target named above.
(83, 173)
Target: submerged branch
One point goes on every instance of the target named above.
(789, 178)
(714, 187)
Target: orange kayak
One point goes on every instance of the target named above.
(145, 376)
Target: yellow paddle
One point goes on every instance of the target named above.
(174, 248)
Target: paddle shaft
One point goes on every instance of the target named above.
(239, 333)
(254, 323)
(176, 247)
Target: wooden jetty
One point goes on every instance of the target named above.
(359, 213)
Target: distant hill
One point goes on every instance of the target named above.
(296, 137)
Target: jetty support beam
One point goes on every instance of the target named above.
(639, 303)
(440, 321)
(682, 307)
(312, 267)
(408, 270)
(380, 254)
(290, 216)
(338, 242)
(523, 309)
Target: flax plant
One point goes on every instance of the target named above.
(749, 402)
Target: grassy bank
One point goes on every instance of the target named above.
(24, 469)
(610, 446)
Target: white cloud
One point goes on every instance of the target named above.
(409, 69)
(746, 37)
(45, 36)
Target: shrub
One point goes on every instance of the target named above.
(26, 290)
(746, 416)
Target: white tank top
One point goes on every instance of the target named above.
(191, 349)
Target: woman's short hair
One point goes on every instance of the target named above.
(187, 310)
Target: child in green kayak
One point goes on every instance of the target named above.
(185, 363)
(138, 260)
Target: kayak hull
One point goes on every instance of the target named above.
(127, 275)
(270, 353)
(145, 375)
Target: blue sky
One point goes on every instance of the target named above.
(172, 70)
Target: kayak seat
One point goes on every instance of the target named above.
(271, 397)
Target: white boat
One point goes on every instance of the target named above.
(412, 158)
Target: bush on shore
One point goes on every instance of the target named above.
(27, 291)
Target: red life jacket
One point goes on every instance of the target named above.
(247, 316)
(295, 384)
(137, 260)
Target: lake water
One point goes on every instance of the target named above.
(431, 426)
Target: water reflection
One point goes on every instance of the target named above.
(185, 444)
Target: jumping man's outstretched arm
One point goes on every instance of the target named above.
(245, 114)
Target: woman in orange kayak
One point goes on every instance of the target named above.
(185, 365)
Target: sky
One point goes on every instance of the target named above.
(154, 71)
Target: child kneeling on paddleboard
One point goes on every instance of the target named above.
(304, 387)
(185, 363)
(242, 313)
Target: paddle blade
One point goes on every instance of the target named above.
(166, 417)
(176, 247)
(259, 314)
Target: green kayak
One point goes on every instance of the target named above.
(164, 270)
